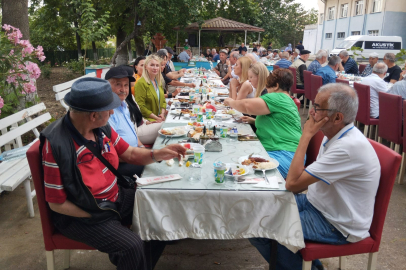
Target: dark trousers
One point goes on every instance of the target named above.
(130, 169)
(124, 247)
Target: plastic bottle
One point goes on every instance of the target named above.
(14, 153)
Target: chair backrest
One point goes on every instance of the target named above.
(35, 163)
(11, 131)
(313, 148)
(390, 117)
(361, 68)
(342, 81)
(364, 103)
(316, 83)
(275, 67)
(293, 70)
(307, 76)
(297, 102)
(389, 161)
(404, 126)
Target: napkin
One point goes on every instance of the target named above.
(273, 183)
(252, 181)
(145, 181)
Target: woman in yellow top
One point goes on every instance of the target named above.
(138, 67)
(149, 93)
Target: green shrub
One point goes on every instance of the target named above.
(46, 70)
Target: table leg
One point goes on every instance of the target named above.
(274, 252)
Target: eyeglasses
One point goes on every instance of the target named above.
(87, 157)
(315, 109)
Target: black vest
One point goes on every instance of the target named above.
(65, 156)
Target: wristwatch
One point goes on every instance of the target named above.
(153, 157)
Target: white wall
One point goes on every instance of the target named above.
(310, 40)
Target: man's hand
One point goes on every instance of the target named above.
(176, 92)
(311, 127)
(248, 120)
(191, 85)
(169, 152)
(228, 102)
(228, 62)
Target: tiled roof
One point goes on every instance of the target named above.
(221, 24)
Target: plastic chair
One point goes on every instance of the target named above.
(307, 89)
(52, 238)
(364, 109)
(342, 81)
(293, 89)
(316, 83)
(297, 102)
(361, 68)
(314, 148)
(403, 164)
(275, 67)
(390, 119)
(389, 161)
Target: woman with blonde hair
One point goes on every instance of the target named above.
(149, 92)
(241, 89)
(257, 75)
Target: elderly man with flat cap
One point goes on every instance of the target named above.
(300, 66)
(87, 203)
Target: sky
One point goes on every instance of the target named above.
(308, 4)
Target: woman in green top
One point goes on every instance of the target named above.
(149, 94)
(278, 120)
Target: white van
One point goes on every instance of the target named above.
(370, 44)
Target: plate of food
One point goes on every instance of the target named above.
(236, 169)
(174, 131)
(222, 116)
(259, 163)
(196, 132)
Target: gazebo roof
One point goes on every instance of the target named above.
(221, 24)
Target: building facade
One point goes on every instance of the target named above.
(339, 19)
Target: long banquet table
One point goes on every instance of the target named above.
(207, 210)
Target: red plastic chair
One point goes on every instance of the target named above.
(307, 88)
(390, 119)
(364, 109)
(342, 81)
(389, 161)
(293, 89)
(403, 165)
(313, 148)
(297, 102)
(52, 238)
(316, 83)
(361, 68)
(275, 67)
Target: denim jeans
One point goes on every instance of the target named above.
(315, 228)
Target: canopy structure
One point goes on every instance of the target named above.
(220, 24)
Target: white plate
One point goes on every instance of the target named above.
(234, 165)
(177, 111)
(186, 128)
(223, 116)
(241, 159)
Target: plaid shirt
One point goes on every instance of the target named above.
(314, 66)
(351, 66)
(367, 71)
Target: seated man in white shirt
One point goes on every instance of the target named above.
(376, 85)
(342, 182)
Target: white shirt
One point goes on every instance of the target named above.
(233, 74)
(376, 85)
(349, 171)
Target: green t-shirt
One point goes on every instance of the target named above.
(281, 129)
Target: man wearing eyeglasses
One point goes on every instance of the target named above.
(341, 184)
(87, 203)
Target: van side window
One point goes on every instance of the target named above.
(358, 44)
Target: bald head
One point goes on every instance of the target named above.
(285, 55)
(380, 69)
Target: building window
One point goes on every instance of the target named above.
(373, 32)
(344, 11)
(321, 18)
(331, 11)
(329, 35)
(355, 33)
(376, 6)
(340, 35)
(359, 7)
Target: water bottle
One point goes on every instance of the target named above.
(211, 65)
(15, 153)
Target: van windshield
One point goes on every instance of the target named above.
(346, 44)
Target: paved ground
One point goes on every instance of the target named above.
(22, 246)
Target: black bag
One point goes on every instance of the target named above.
(123, 181)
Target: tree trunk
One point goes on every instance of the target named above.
(78, 43)
(95, 56)
(130, 52)
(122, 52)
(139, 45)
(15, 13)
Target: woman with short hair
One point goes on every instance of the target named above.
(278, 120)
(138, 67)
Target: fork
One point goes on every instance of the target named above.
(168, 140)
(250, 156)
(266, 178)
(166, 136)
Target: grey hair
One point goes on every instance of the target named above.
(297, 51)
(162, 53)
(390, 57)
(235, 54)
(380, 68)
(334, 60)
(214, 49)
(343, 99)
(77, 111)
(343, 53)
(285, 55)
(320, 54)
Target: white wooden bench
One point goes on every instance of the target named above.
(62, 89)
(16, 171)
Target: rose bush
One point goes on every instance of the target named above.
(18, 69)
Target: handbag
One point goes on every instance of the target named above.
(122, 180)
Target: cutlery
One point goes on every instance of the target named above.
(180, 115)
(266, 178)
(250, 156)
(166, 136)
(168, 140)
(175, 116)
